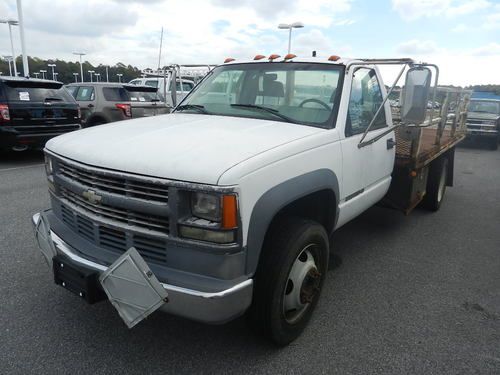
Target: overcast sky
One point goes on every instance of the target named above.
(462, 36)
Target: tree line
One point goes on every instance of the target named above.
(65, 70)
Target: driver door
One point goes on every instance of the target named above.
(366, 170)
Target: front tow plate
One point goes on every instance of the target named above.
(132, 288)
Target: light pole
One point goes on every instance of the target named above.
(36, 74)
(91, 72)
(81, 66)
(9, 60)
(119, 77)
(54, 76)
(107, 74)
(26, 68)
(98, 77)
(12, 23)
(43, 73)
(76, 77)
(53, 66)
(289, 27)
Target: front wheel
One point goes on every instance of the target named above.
(289, 279)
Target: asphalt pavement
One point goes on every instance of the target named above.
(417, 294)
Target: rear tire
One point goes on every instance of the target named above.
(494, 144)
(296, 252)
(436, 184)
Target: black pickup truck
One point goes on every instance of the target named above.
(34, 110)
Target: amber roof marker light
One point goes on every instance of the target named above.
(228, 60)
(289, 27)
(334, 58)
(274, 57)
(290, 56)
(259, 57)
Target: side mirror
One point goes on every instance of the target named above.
(415, 95)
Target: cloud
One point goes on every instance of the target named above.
(417, 47)
(492, 20)
(84, 18)
(412, 9)
(491, 49)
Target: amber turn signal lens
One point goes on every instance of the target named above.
(229, 212)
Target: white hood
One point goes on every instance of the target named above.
(187, 147)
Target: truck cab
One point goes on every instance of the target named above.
(226, 205)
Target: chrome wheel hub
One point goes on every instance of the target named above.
(301, 287)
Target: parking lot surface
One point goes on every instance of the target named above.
(412, 294)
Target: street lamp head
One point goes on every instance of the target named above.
(51, 65)
(295, 25)
(10, 22)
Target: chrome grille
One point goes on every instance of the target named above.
(115, 184)
(116, 240)
(125, 216)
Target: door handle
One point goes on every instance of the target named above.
(90, 106)
(390, 143)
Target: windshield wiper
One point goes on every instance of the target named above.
(197, 107)
(272, 111)
(49, 99)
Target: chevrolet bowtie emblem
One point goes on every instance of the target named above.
(92, 196)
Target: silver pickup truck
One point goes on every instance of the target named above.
(483, 121)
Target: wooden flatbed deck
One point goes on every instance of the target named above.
(428, 150)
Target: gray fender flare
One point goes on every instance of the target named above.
(273, 200)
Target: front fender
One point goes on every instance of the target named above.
(278, 197)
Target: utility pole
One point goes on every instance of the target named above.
(23, 44)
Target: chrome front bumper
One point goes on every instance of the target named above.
(215, 308)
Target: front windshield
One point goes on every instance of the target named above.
(302, 93)
(484, 106)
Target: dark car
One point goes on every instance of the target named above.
(101, 103)
(483, 121)
(34, 110)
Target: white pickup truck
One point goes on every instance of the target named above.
(227, 205)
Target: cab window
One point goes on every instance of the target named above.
(366, 97)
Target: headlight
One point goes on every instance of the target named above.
(206, 206)
(48, 165)
(214, 218)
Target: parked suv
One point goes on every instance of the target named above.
(32, 111)
(101, 103)
(181, 91)
(483, 120)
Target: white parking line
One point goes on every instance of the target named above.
(23, 167)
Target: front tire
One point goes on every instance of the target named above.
(289, 279)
